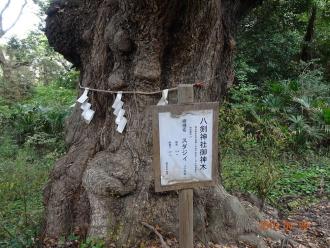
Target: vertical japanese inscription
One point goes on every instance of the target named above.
(203, 144)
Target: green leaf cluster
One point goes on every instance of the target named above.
(274, 124)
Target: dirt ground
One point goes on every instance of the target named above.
(305, 227)
(317, 231)
(308, 227)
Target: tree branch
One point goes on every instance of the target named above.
(4, 8)
(4, 31)
(164, 245)
(19, 64)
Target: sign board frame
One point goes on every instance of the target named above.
(178, 109)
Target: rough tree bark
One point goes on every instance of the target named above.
(104, 184)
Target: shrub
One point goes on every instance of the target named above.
(288, 115)
(68, 80)
(22, 179)
(29, 120)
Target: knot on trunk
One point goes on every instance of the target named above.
(109, 174)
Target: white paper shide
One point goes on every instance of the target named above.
(87, 113)
(163, 100)
(186, 146)
(119, 112)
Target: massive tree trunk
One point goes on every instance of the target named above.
(104, 184)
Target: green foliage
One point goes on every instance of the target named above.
(39, 120)
(289, 115)
(278, 112)
(304, 181)
(29, 62)
(270, 39)
(68, 80)
(23, 176)
(275, 178)
(28, 120)
(37, 127)
(8, 148)
(36, 91)
(326, 115)
(255, 172)
(4, 113)
(53, 95)
(274, 125)
(43, 61)
(321, 42)
(92, 243)
(31, 139)
(43, 5)
(16, 80)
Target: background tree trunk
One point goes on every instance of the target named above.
(307, 50)
(104, 185)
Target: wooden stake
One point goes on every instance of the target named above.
(186, 232)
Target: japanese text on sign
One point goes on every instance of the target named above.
(186, 146)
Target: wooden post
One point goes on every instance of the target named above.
(186, 232)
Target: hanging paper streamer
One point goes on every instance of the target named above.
(121, 121)
(118, 99)
(120, 116)
(87, 113)
(86, 105)
(163, 100)
(118, 104)
(118, 108)
(121, 125)
(83, 97)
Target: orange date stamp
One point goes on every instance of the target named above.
(288, 226)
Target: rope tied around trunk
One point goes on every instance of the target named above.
(119, 112)
(202, 84)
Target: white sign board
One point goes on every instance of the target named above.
(186, 138)
(185, 146)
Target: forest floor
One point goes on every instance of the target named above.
(308, 227)
(317, 233)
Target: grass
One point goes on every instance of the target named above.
(24, 168)
(23, 177)
(299, 180)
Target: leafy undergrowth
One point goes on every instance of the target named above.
(52, 95)
(31, 139)
(287, 185)
(23, 176)
(275, 138)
